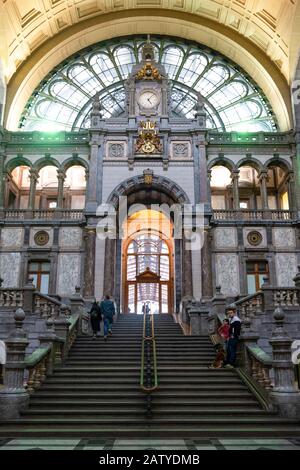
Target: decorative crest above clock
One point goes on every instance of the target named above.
(147, 86)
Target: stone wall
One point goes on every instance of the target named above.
(10, 264)
(227, 273)
(68, 273)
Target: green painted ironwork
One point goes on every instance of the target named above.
(63, 100)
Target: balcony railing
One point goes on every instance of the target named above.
(249, 215)
(41, 214)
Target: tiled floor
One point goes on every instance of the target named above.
(150, 444)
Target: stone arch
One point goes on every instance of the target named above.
(45, 161)
(253, 162)
(74, 161)
(159, 183)
(15, 162)
(280, 162)
(102, 27)
(222, 161)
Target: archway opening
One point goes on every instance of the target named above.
(148, 270)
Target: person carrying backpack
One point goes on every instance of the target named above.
(107, 308)
(95, 316)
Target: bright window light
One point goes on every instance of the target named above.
(63, 101)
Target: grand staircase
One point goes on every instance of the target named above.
(96, 392)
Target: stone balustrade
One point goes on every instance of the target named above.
(11, 298)
(253, 215)
(43, 214)
(25, 374)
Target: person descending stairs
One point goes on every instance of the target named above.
(96, 392)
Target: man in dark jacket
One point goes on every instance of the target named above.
(107, 308)
(234, 335)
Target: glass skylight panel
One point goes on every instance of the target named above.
(65, 98)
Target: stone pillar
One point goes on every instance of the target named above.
(61, 326)
(28, 296)
(291, 191)
(109, 267)
(248, 338)
(2, 178)
(296, 162)
(13, 397)
(284, 393)
(218, 307)
(61, 176)
(206, 265)
(34, 176)
(49, 338)
(89, 263)
(235, 189)
(263, 175)
(187, 274)
(198, 319)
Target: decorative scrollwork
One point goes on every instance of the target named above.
(116, 150)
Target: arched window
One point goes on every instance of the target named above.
(63, 100)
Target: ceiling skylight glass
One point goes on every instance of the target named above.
(63, 100)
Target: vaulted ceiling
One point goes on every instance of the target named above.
(269, 26)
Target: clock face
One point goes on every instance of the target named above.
(148, 99)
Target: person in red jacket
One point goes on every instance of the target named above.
(223, 331)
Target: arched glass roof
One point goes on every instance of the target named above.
(63, 99)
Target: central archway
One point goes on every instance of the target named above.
(148, 258)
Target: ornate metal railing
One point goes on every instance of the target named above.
(148, 376)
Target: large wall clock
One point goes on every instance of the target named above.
(148, 99)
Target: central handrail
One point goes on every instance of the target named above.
(148, 377)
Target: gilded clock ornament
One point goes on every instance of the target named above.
(148, 141)
(148, 72)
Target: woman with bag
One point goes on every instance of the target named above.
(95, 315)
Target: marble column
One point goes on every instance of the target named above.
(109, 267)
(235, 189)
(187, 273)
(206, 265)
(2, 179)
(61, 176)
(263, 176)
(296, 162)
(89, 262)
(91, 188)
(34, 176)
(291, 191)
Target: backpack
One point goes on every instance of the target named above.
(94, 314)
